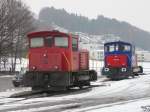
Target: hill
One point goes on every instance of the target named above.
(99, 26)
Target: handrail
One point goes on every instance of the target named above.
(69, 66)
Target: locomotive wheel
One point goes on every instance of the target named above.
(68, 88)
(36, 88)
(93, 74)
(85, 83)
(133, 76)
(16, 84)
(115, 79)
(136, 74)
(141, 69)
(80, 86)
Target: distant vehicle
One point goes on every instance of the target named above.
(18, 78)
(120, 60)
(55, 61)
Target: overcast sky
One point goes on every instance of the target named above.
(136, 12)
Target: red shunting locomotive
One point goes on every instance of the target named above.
(55, 61)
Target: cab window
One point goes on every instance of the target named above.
(117, 47)
(110, 48)
(49, 41)
(127, 48)
(124, 48)
(61, 42)
(74, 44)
(36, 42)
(121, 48)
(106, 48)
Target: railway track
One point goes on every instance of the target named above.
(41, 93)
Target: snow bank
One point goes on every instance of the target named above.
(146, 66)
(128, 106)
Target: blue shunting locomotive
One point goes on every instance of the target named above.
(120, 60)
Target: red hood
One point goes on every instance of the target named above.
(116, 60)
(45, 61)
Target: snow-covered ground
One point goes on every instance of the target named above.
(129, 95)
(146, 66)
(139, 105)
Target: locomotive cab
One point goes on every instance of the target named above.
(56, 61)
(46, 50)
(120, 60)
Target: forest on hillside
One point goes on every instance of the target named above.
(99, 26)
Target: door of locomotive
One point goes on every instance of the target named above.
(75, 54)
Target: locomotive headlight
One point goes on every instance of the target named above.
(33, 67)
(44, 55)
(123, 69)
(56, 67)
(106, 69)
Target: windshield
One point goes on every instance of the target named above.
(127, 48)
(117, 47)
(109, 48)
(61, 42)
(37, 42)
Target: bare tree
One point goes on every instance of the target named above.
(15, 22)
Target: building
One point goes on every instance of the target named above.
(95, 44)
(143, 56)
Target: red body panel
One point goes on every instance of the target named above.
(49, 59)
(84, 60)
(45, 61)
(116, 61)
(75, 61)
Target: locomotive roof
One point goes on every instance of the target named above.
(55, 32)
(117, 42)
